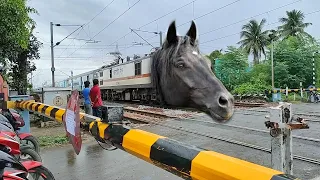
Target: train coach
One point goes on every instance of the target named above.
(130, 81)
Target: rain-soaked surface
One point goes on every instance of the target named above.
(95, 163)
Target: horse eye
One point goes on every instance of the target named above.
(180, 65)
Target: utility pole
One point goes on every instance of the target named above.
(31, 79)
(272, 70)
(314, 70)
(52, 55)
(72, 80)
(272, 36)
(160, 34)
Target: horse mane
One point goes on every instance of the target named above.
(162, 61)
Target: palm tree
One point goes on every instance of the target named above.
(293, 24)
(254, 39)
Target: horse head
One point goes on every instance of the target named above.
(183, 77)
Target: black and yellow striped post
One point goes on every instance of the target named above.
(186, 161)
(52, 112)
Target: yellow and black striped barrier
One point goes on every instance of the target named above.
(188, 162)
(52, 112)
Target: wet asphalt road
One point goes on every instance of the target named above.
(96, 163)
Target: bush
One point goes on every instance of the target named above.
(249, 88)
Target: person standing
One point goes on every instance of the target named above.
(95, 96)
(87, 101)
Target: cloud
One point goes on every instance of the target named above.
(93, 55)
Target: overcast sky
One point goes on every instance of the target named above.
(216, 20)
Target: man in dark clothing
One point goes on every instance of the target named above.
(95, 96)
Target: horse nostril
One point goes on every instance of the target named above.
(223, 101)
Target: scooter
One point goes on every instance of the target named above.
(8, 130)
(16, 171)
(15, 119)
(36, 169)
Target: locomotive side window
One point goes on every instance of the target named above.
(87, 78)
(137, 68)
(101, 82)
(101, 74)
(110, 73)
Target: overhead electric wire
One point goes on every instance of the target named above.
(70, 34)
(317, 11)
(245, 19)
(155, 20)
(108, 24)
(222, 7)
(90, 21)
(175, 11)
(141, 37)
(99, 12)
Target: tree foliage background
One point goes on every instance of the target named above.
(293, 50)
(18, 46)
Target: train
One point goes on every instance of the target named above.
(124, 81)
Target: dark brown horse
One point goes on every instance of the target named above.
(183, 77)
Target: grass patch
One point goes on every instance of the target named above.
(52, 140)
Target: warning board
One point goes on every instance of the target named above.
(58, 101)
(71, 121)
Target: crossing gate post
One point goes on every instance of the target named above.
(280, 122)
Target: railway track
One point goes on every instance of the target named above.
(157, 117)
(247, 104)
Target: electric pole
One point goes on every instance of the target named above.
(272, 70)
(160, 34)
(56, 44)
(72, 80)
(272, 36)
(313, 70)
(52, 55)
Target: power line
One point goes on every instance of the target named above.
(109, 24)
(317, 11)
(188, 21)
(141, 37)
(68, 45)
(117, 18)
(99, 12)
(156, 20)
(211, 12)
(250, 17)
(167, 14)
(89, 22)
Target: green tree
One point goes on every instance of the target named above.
(15, 26)
(22, 65)
(293, 62)
(254, 39)
(213, 56)
(293, 24)
(258, 80)
(233, 67)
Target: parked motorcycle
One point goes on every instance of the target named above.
(35, 168)
(27, 153)
(11, 168)
(17, 122)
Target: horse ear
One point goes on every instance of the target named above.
(172, 33)
(192, 33)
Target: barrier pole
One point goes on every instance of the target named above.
(183, 160)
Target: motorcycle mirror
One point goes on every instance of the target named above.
(71, 121)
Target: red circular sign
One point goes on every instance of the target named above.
(71, 121)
